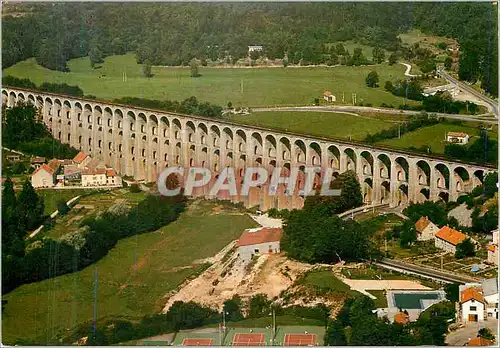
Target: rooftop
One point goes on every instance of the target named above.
(479, 341)
(38, 159)
(457, 134)
(490, 286)
(472, 293)
(80, 157)
(260, 235)
(422, 223)
(450, 235)
(402, 318)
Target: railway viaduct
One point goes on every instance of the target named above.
(140, 142)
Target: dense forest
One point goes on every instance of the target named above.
(174, 34)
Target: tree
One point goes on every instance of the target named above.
(62, 207)
(96, 338)
(232, 308)
(452, 292)
(229, 105)
(134, 188)
(442, 45)
(146, 69)
(194, 65)
(465, 249)
(335, 334)
(378, 55)
(389, 87)
(393, 58)
(372, 79)
(408, 234)
(486, 333)
(30, 205)
(258, 306)
(95, 56)
(448, 62)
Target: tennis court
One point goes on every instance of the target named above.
(249, 339)
(301, 339)
(197, 342)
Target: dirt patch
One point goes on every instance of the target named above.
(270, 274)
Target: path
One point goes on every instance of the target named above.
(265, 221)
(53, 215)
(408, 69)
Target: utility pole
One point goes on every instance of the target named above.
(242, 86)
(95, 300)
(343, 97)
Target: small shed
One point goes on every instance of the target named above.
(460, 138)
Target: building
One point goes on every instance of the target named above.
(457, 138)
(72, 173)
(402, 318)
(448, 238)
(45, 176)
(425, 228)
(255, 48)
(472, 304)
(258, 241)
(479, 341)
(490, 292)
(493, 254)
(14, 157)
(81, 160)
(329, 97)
(100, 177)
(36, 162)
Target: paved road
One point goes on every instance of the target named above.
(493, 105)
(462, 335)
(427, 271)
(348, 108)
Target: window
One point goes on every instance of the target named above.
(473, 308)
(256, 251)
(490, 314)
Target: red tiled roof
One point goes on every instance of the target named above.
(492, 247)
(479, 341)
(450, 235)
(110, 172)
(327, 93)
(422, 223)
(402, 318)
(262, 235)
(472, 293)
(80, 157)
(54, 164)
(46, 168)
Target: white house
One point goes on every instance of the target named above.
(457, 138)
(448, 238)
(329, 97)
(100, 177)
(255, 48)
(490, 292)
(258, 241)
(472, 303)
(493, 254)
(425, 228)
(45, 175)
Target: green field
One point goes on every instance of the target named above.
(133, 277)
(324, 281)
(434, 136)
(325, 124)
(51, 197)
(381, 298)
(242, 86)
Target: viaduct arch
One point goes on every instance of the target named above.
(141, 142)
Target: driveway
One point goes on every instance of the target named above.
(462, 336)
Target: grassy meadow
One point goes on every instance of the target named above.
(132, 278)
(324, 124)
(242, 86)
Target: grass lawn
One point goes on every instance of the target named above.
(133, 277)
(381, 299)
(324, 281)
(242, 86)
(434, 136)
(372, 272)
(325, 124)
(51, 197)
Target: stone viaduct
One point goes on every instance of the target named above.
(140, 142)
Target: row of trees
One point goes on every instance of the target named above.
(174, 34)
(23, 129)
(315, 234)
(189, 106)
(59, 88)
(47, 258)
